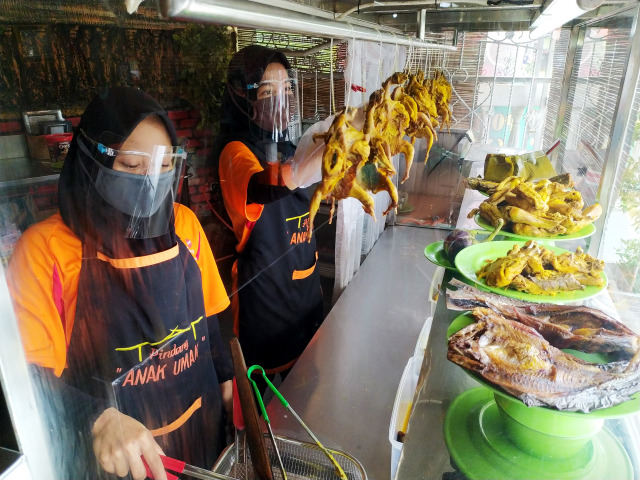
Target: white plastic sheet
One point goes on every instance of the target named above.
(368, 65)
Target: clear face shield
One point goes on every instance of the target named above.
(275, 104)
(143, 184)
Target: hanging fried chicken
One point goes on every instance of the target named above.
(356, 162)
(427, 118)
(441, 91)
(418, 88)
(388, 117)
(346, 150)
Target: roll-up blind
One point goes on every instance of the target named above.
(598, 70)
(556, 88)
(620, 246)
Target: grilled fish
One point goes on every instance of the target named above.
(564, 326)
(519, 360)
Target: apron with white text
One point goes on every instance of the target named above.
(141, 341)
(279, 290)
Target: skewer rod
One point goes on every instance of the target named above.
(339, 470)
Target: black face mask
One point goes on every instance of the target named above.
(136, 195)
(143, 200)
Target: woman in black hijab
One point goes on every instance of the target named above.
(116, 298)
(278, 299)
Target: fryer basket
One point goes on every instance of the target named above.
(302, 461)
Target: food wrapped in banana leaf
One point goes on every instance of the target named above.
(519, 360)
(529, 166)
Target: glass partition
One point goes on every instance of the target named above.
(56, 57)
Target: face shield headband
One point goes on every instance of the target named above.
(145, 192)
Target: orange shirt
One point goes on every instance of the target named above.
(237, 165)
(43, 282)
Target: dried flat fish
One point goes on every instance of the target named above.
(519, 360)
(564, 326)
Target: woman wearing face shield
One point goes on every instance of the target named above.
(277, 304)
(116, 298)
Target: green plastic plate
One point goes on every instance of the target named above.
(435, 254)
(582, 233)
(474, 257)
(480, 449)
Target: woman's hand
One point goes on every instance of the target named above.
(358, 119)
(227, 397)
(226, 388)
(120, 442)
(306, 165)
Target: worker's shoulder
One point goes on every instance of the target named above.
(184, 213)
(186, 220)
(54, 236)
(237, 151)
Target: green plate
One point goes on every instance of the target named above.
(475, 436)
(435, 254)
(405, 209)
(474, 257)
(622, 409)
(582, 233)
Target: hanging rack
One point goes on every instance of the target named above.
(247, 14)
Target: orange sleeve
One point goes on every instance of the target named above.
(43, 281)
(191, 233)
(237, 165)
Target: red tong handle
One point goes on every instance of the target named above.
(553, 147)
(238, 419)
(169, 464)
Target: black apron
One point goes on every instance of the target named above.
(141, 341)
(279, 314)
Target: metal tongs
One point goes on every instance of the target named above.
(266, 417)
(179, 466)
(285, 404)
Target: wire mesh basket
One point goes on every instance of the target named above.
(302, 461)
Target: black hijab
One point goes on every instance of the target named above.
(95, 222)
(245, 68)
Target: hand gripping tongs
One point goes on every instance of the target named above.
(179, 466)
(285, 404)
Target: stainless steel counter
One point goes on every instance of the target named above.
(13, 465)
(344, 384)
